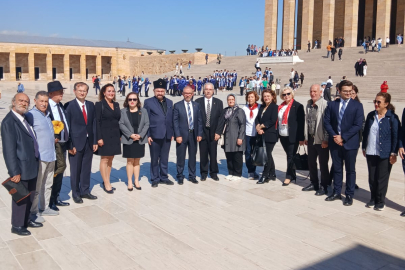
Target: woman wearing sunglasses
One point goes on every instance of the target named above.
(291, 121)
(134, 125)
(380, 147)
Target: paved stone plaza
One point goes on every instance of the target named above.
(212, 225)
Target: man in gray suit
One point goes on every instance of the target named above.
(21, 155)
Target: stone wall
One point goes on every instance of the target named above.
(91, 66)
(40, 62)
(5, 63)
(159, 64)
(57, 62)
(21, 60)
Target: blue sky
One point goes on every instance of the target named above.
(225, 27)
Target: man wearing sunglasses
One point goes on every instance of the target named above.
(343, 121)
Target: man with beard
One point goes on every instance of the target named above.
(21, 155)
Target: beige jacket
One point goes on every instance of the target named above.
(320, 132)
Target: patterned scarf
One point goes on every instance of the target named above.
(230, 111)
(252, 108)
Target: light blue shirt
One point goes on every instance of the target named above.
(20, 88)
(373, 141)
(43, 128)
(53, 105)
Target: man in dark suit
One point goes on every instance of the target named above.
(211, 110)
(81, 116)
(401, 144)
(57, 112)
(343, 120)
(187, 124)
(21, 155)
(160, 112)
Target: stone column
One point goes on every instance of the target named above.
(270, 24)
(307, 23)
(11, 60)
(83, 67)
(383, 20)
(98, 66)
(49, 66)
(328, 19)
(400, 25)
(317, 29)
(351, 22)
(288, 24)
(368, 19)
(66, 67)
(31, 66)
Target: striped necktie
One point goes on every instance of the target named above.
(208, 121)
(190, 118)
(341, 113)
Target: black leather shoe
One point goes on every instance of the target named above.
(348, 201)
(262, 180)
(60, 203)
(154, 185)
(403, 214)
(320, 192)
(20, 231)
(77, 200)
(215, 177)
(370, 204)
(193, 180)
(89, 196)
(311, 187)
(356, 186)
(33, 224)
(54, 207)
(180, 182)
(203, 178)
(167, 182)
(273, 177)
(333, 197)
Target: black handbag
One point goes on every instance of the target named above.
(259, 154)
(301, 161)
(17, 190)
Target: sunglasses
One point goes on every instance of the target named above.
(376, 102)
(286, 94)
(132, 99)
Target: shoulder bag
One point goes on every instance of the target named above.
(259, 154)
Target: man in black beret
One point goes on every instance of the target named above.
(160, 112)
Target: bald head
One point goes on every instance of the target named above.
(315, 92)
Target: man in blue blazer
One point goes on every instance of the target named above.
(343, 120)
(81, 117)
(160, 112)
(187, 124)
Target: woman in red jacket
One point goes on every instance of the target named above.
(384, 87)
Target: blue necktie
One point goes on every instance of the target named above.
(341, 113)
(190, 118)
(36, 148)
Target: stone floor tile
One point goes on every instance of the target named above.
(94, 216)
(37, 260)
(8, 261)
(46, 232)
(23, 245)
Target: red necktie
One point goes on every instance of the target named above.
(84, 115)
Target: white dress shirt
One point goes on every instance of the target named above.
(21, 118)
(282, 129)
(250, 122)
(206, 103)
(53, 105)
(191, 109)
(81, 108)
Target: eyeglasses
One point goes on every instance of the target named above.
(132, 99)
(376, 102)
(286, 94)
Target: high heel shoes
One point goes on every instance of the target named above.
(286, 184)
(108, 191)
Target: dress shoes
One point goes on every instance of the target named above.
(262, 180)
(379, 207)
(193, 180)
(180, 181)
(370, 204)
(215, 177)
(138, 188)
(20, 231)
(311, 187)
(77, 200)
(154, 185)
(54, 207)
(348, 201)
(60, 203)
(403, 214)
(203, 178)
(333, 197)
(167, 182)
(88, 196)
(33, 224)
(320, 192)
(273, 177)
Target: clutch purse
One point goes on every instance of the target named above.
(17, 190)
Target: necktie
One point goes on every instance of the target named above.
(33, 137)
(190, 118)
(65, 130)
(341, 113)
(84, 114)
(208, 121)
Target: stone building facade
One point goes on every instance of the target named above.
(325, 20)
(46, 58)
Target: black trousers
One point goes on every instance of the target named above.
(270, 168)
(181, 149)
(57, 181)
(80, 170)
(290, 149)
(20, 212)
(208, 157)
(314, 152)
(241, 90)
(378, 175)
(234, 162)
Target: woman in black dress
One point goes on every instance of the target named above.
(134, 125)
(108, 132)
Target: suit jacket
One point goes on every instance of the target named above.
(216, 112)
(296, 122)
(18, 148)
(48, 109)
(269, 120)
(79, 130)
(127, 129)
(352, 123)
(161, 124)
(180, 120)
(401, 140)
